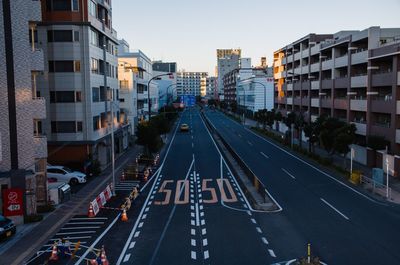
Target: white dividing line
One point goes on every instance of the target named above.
(239, 135)
(249, 143)
(132, 244)
(264, 240)
(86, 218)
(86, 223)
(315, 168)
(264, 155)
(253, 220)
(76, 233)
(336, 210)
(203, 231)
(206, 254)
(82, 227)
(205, 242)
(144, 216)
(69, 238)
(192, 145)
(258, 230)
(141, 224)
(127, 257)
(272, 253)
(284, 170)
(192, 232)
(193, 242)
(193, 254)
(136, 234)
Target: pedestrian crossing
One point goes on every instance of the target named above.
(127, 185)
(80, 229)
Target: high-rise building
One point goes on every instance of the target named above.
(192, 83)
(81, 87)
(227, 60)
(350, 75)
(211, 87)
(23, 145)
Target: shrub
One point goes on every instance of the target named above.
(33, 218)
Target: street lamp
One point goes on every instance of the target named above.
(148, 90)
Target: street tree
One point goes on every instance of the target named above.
(344, 137)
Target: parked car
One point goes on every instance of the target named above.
(7, 228)
(64, 174)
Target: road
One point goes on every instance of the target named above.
(342, 223)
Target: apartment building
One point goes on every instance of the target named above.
(229, 81)
(254, 87)
(80, 50)
(211, 83)
(227, 60)
(23, 146)
(192, 83)
(350, 75)
(167, 81)
(144, 72)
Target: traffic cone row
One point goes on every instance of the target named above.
(104, 260)
(91, 212)
(54, 252)
(124, 217)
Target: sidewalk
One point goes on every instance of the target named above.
(394, 183)
(31, 237)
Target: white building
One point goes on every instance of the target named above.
(211, 85)
(167, 84)
(192, 83)
(254, 87)
(23, 146)
(143, 64)
(227, 60)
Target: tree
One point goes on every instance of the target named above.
(344, 137)
(270, 117)
(261, 116)
(313, 130)
(328, 133)
(278, 118)
(289, 120)
(298, 125)
(147, 135)
(234, 106)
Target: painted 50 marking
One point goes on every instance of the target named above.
(183, 198)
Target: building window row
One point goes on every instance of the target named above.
(101, 121)
(97, 39)
(62, 35)
(66, 66)
(66, 126)
(65, 96)
(97, 67)
(62, 5)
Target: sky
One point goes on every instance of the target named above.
(189, 31)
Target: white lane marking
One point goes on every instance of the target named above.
(206, 254)
(76, 233)
(248, 212)
(193, 255)
(203, 231)
(140, 225)
(147, 209)
(201, 207)
(152, 197)
(272, 253)
(264, 155)
(197, 214)
(264, 240)
(245, 206)
(192, 232)
(317, 169)
(249, 143)
(203, 222)
(239, 135)
(336, 210)
(192, 214)
(205, 242)
(253, 220)
(127, 257)
(144, 216)
(91, 218)
(136, 234)
(192, 207)
(284, 170)
(192, 222)
(258, 230)
(201, 214)
(132, 244)
(76, 237)
(193, 242)
(150, 202)
(79, 227)
(192, 145)
(84, 223)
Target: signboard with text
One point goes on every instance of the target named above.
(13, 202)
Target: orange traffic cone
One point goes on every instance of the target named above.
(91, 212)
(124, 217)
(104, 260)
(54, 252)
(93, 262)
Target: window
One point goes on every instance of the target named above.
(62, 5)
(63, 126)
(61, 66)
(94, 66)
(96, 123)
(103, 93)
(76, 35)
(75, 5)
(95, 94)
(79, 126)
(103, 118)
(78, 96)
(92, 9)
(94, 39)
(124, 84)
(77, 66)
(35, 36)
(59, 35)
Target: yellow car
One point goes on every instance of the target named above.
(184, 127)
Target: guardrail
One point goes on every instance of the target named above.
(376, 187)
(257, 184)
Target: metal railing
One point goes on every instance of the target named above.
(376, 187)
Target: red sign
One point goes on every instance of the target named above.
(13, 202)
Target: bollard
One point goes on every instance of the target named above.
(308, 252)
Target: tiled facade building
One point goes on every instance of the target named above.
(351, 75)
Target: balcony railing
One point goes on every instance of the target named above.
(40, 145)
(38, 108)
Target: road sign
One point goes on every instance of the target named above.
(13, 202)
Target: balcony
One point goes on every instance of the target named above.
(315, 85)
(326, 103)
(283, 61)
(289, 86)
(35, 10)
(359, 81)
(305, 53)
(358, 104)
(326, 83)
(383, 79)
(340, 103)
(398, 107)
(297, 85)
(297, 101)
(304, 69)
(359, 57)
(361, 128)
(328, 64)
(315, 102)
(305, 85)
(297, 70)
(397, 136)
(341, 61)
(38, 108)
(398, 78)
(40, 145)
(341, 82)
(381, 106)
(37, 60)
(314, 67)
(315, 49)
(305, 101)
(297, 56)
(280, 100)
(381, 130)
(289, 101)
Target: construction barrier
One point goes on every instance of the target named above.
(100, 200)
(355, 177)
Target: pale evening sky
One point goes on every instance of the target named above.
(189, 31)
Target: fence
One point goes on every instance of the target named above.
(376, 187)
